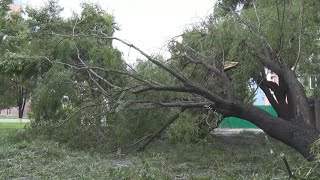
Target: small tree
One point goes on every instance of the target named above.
(19, 73)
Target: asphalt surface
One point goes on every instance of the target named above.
(15, 120)
(232, 131)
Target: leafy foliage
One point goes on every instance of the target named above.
(72, 105)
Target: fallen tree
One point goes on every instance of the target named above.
(195, 73)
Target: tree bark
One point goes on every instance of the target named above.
(21, 100)
(317, 107)
(317, 112)
(299, 136)
(297, 98)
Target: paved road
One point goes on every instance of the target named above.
(15, 120)
(230, 131)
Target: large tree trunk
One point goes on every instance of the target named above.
(299, 136)
(295, 125)
(21, 100)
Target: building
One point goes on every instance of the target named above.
(16, 6)
(261, 99)
(273, 78)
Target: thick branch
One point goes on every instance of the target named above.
(300, 36)
(268, 94)
(297, 98)
(267, 60)
(154, 104)
(297, 135)
(177, 75)
(175, 88)
(189, 85)
(278, 99)
(225, 79)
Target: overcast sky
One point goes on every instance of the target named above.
(148, 24)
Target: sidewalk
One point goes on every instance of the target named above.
(15, 120)
(231, 131)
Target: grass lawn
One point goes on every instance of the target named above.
(9, 125)
(246, 156)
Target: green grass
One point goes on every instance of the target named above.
(10, 125)
(246, 156)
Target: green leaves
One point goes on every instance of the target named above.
(94, 18)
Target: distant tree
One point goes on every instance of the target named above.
(18, 74)
(7, 98)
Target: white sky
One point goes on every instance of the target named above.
(148, 24)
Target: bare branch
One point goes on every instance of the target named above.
(61, 63)
(189, 86)
(300, 36)
(74, 27)
(98, 85)
(268, 57)
(94, 73)
(176, 88)
(177, 75)
(281, 22)
(225, 79)
(201, 60)
(196, 89)
(256, 13)
(267, 92)
(265, 60)
(86, 67)
(146, 104)
(254, 31)
(165, 126)
(290, 174)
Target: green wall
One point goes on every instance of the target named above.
(233, 122)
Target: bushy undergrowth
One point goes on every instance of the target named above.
(27, 155)
(93, 123)
(72, 113)
(184, 130)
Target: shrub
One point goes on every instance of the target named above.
(184, 130)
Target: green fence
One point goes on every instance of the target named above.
(233, 122)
